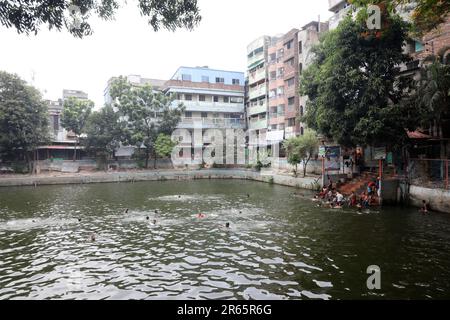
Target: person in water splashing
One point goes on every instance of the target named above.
(201, 216)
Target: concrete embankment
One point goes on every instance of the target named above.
(268, 177)
(439, 199)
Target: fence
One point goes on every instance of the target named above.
(430, 173)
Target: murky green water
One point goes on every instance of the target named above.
(280, 246)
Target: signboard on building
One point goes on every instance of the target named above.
(275, 136)
(379, 153)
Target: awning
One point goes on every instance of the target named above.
(275, 136)
(417, 135)
(254, 64)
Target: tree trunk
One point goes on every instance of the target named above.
(147, 153)
(154, 160)
(75, 150)
(27, 157)
(304, 166)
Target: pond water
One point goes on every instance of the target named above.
(280, 244)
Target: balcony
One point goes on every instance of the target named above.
(201, 106)
(257, 92)
(211, 123)
(257, 109)
(257, 76)
(338, 17)
(257, 124)
(253, 60)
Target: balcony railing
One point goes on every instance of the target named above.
(202, 106)
(257, 92)
(258, 124)
(257, 76)
(211, 123)
(257, 109)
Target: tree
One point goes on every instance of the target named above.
(27, 16)
(431, 99)
(23, 117)
(301, 149)
(104, 131)
(146, 113)
(164, 146)
(74, 117)
(355, 88)
(426, 15)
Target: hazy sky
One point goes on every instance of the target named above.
(57, 61)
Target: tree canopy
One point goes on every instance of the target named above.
(75, 116)
(301, 149)
(27, 16)
(104, 131)
(355, 87)
(147, 113)
(23, 116)
(426, 14)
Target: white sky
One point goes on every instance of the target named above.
(129, 46)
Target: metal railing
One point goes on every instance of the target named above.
(431, 173)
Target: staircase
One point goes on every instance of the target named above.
(357, 185)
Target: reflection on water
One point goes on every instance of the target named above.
(280, 245)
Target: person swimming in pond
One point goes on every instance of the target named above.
(227, 225)
(154, 221)
(248, 196)
(79, 219)
(201, 216)
(147, 218)
(156, 211)
(126, 210)
(425, 207)
(93, 237)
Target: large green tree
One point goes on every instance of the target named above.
(426, 14)
(147, 114)
(23, 117)
(75, 116)
(301, 149)
(27, 16)
(104, 132)
(355, 86)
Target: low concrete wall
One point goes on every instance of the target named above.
(304, 183)
(438, 199)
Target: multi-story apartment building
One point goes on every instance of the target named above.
(62, 141)
(134, 80)
(340, 8)
(274, 103)
(213, 99)
(257, 108)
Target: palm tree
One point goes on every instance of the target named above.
(433, 91)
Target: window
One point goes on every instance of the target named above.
(291, 82)
(291, 122)
(220, 80)
(273, 127)
(301, 110)
(280, 72)
(300, 49)
(272, 93)
(280, 91)
(281, 126)
(204, 114)
(302, 131)
(56, 122)
(273, 57)
(201, 98)
(300, 68)
(216, 98)
(186, 77)
(205, 79)
(188, 97)
(273, 75)
(236, 82)
(291, 101)
(188, 114)
(236, 100)
(280, 110)
(226, 99)
(289, 44)
(290, 62)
